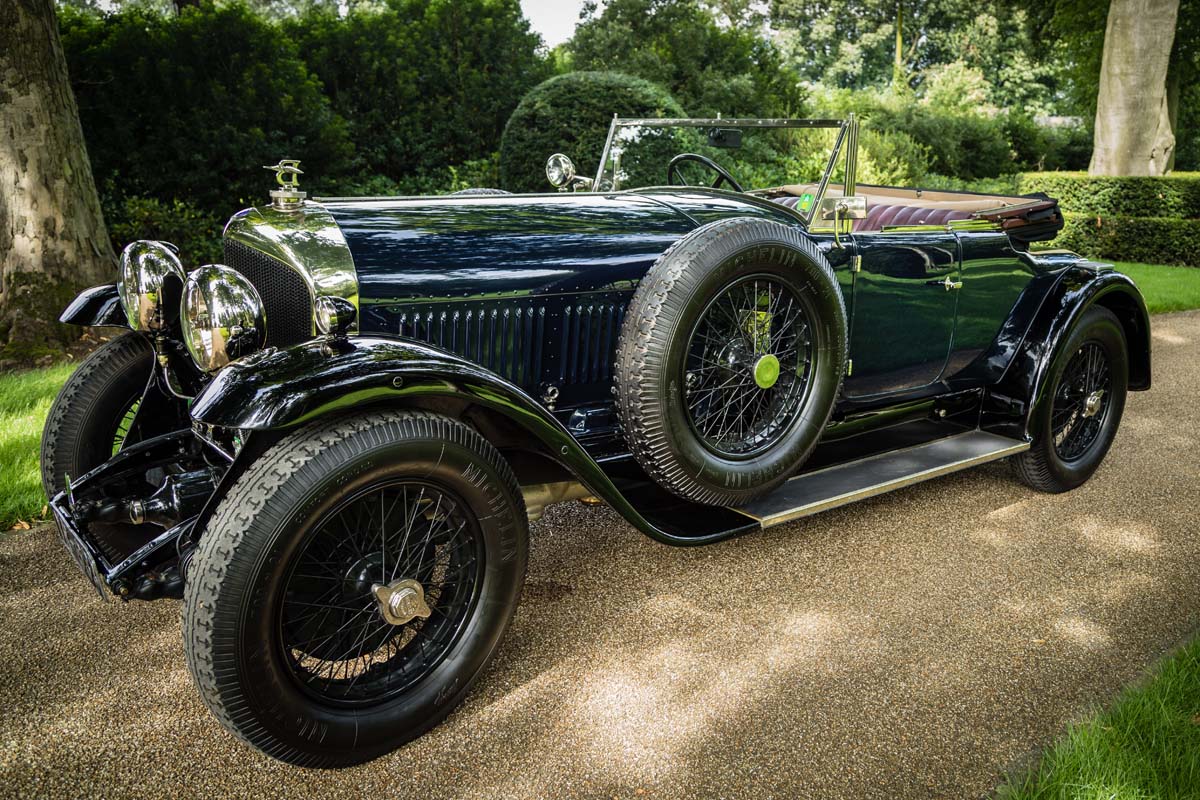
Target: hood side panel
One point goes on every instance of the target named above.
(447, 248)
(532, 287)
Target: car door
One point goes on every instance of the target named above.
(905, 297)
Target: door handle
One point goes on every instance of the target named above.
(948, 284)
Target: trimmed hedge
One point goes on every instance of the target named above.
(1176, 196)
(571, 114)
(1150, 240)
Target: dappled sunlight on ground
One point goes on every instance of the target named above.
(914, 645)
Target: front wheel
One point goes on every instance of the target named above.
(353, 584)
(91, 417)
(1076, 422)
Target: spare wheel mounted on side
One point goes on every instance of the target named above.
(730, 360)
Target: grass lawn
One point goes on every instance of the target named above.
(25, 398)
(1165, 288)
(1147, 745)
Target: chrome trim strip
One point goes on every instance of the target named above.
(988, 447)
(309, 241)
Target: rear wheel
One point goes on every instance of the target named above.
(1076, 423)
(90, 419)
(353, 584)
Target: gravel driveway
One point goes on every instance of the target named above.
(914, 645)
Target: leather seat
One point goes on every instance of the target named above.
(880, 214)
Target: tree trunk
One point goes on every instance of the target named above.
(1133, 127)
(1173, 81)
(898, 62)
(52, 236)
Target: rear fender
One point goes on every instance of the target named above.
(1012, 402)
(99, 305)
(277, 390)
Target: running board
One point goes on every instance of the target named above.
(857, 480)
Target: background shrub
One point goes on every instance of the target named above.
(1036, 147)
(196, 233)
(571, 114)
(422, 83)
(1152, 240)
(953, 139)
(711, 68)
(891, 159)
(192, 106)
(1176, 195)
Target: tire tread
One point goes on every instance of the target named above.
(210, 623)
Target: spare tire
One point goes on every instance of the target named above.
(730, 359)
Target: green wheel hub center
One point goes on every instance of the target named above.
(766, 371)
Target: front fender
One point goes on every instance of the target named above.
(1025, 381)
(99, 305)
(280, 389)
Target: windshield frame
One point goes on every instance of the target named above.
(847, 137)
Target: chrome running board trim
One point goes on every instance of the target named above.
(857, 480)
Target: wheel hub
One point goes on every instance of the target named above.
(401, 601)
(1092, 405)
(361, 576)
(766, 371)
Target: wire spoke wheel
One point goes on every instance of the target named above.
(748, 365)
(1081, 402)
(379, 592)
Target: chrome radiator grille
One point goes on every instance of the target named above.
(284, 294)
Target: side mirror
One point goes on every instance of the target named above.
(838, 208)
(560, 171)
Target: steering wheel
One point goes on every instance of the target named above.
(723, 175)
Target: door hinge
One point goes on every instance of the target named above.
(951, 284)
(856, 264)
(849, 367)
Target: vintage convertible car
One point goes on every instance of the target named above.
(331, 445)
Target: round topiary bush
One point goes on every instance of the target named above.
(571, 114)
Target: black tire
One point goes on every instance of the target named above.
(236, 598)
(1069, 442)
(654, 384)
(82, 427)
(479, 190)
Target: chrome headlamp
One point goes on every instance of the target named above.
(222, 316)
(151, 279)
(334, 314)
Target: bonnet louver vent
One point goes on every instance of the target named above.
(588, 347)
(505, 339)
(567, 345)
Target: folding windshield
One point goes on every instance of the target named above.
(757, 154)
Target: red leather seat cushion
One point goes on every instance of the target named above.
(881, 214)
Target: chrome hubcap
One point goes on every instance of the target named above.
(401, 601)
(1092, 405)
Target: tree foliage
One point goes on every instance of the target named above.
(422, 83)
(852, 44)
(708, 67)
(191, 107)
